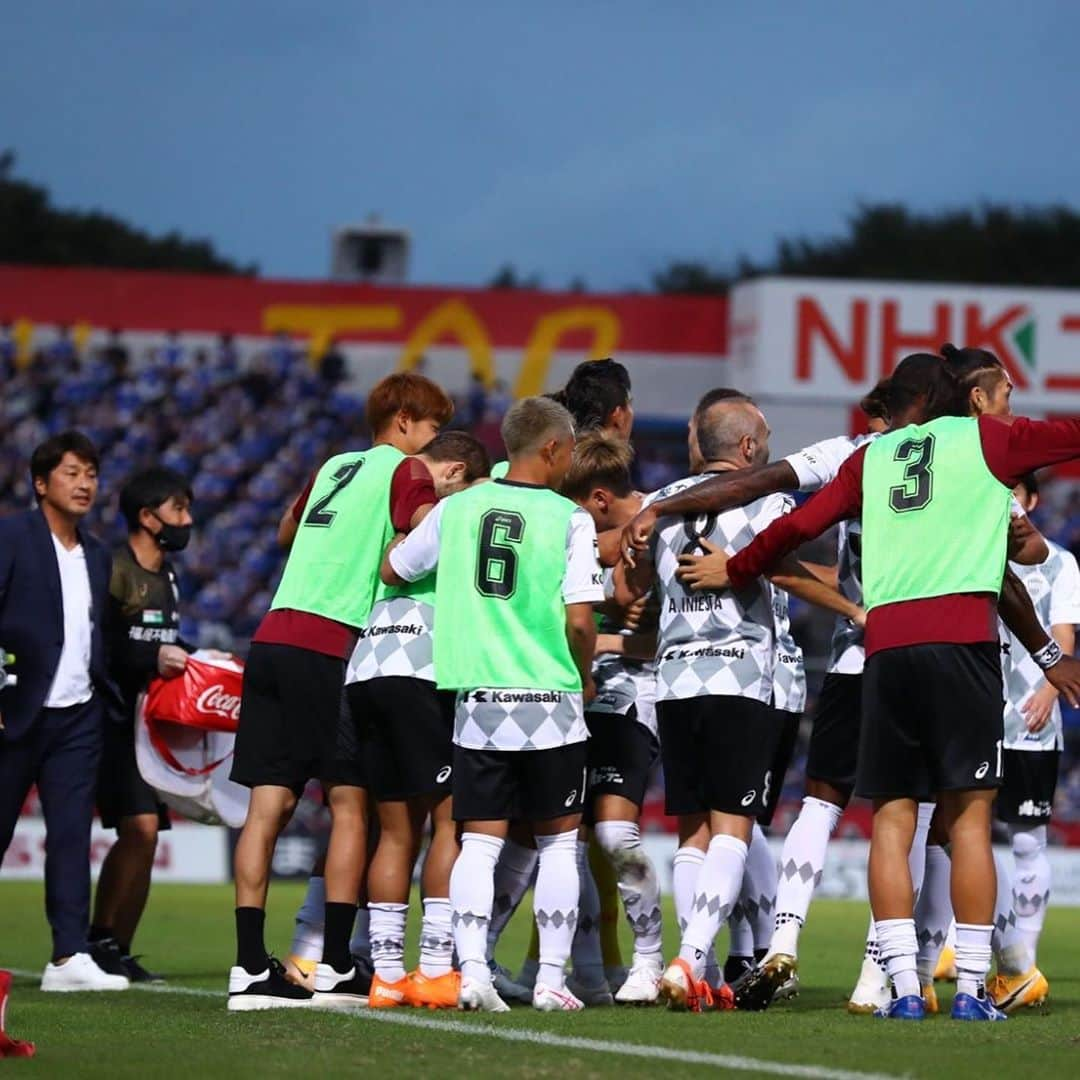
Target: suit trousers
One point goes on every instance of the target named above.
(60, 753)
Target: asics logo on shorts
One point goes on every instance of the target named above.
(748, 798)
(571, 798)
(982, 770)
(443, 774)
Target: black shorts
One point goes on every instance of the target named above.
(290, 712)
(621, 755)
(121, 790)
(834, 737)
(409, 725)
(785, 751)
(1027, 792)
(519, 785)
(932, 720)
(718, 754)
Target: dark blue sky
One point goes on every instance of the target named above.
(599, 139)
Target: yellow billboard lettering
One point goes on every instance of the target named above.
(80, 337)
(23, 333)
(451, 318)
(602, 321)
(321, 322)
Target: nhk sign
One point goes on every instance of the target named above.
(827, 340)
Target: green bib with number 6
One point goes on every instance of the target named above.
(935, 520)
(501, 617)
(333, 565)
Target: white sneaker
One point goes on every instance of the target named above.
(476, 996)
(506, 988)
(871, 991)
(79, 972)
(642, 984)
(548, 999)
(592, 994)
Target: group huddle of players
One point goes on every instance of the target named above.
(499, 657)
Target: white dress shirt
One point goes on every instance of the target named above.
(71, 684)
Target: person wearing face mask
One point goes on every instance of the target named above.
(144, 641)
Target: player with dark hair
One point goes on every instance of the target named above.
(934, 498)
(598, 397)
(294, 679)
(144, 641)
(404, 725)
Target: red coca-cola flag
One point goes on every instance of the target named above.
(206, 696)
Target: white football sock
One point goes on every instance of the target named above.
(758, 896)
(556, 904)
(972, 958)
(717, 890)
(514, 874)
(388, 940)
(801, 867)
(1010, 950)
(360, 945)
(639, 886)
(472, 890)
(1031, 884)
(684, 874)
(917, 855)
(307, 942)
(872, 951)
(588, 957)
(897, 945)
(436, 938)
(933, 912)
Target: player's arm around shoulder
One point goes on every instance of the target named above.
(410, 556)
(583, 586)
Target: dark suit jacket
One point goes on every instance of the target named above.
(32, 617)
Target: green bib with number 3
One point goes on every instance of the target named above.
(333, 565)
(501, 618)
(935, 520)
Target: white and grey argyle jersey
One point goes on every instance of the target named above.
(713, 643)
(395, 641)
(505, 719)
(789, 672)
(623, 683)
(847, 655)
(1054, 587)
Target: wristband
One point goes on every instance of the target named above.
(1048, 655)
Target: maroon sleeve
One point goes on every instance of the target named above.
(840, 499)
(301, 500)
(411, 488)
(1015, 446)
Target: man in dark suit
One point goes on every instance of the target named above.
(54, 584)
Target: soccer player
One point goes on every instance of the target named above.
(623, 745)
(517, 578)
(935, 504)
(144, 641)
(715, 659)
(294, 680)
(1032, 750)
(406, 726)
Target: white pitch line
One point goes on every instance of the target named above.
(733, 1062)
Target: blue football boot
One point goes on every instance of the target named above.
(911, 1007)
(969, 1007)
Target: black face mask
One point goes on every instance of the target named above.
(171, 537)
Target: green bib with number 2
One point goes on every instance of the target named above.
(333, 565)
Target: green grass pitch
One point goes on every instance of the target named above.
(187, 933)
